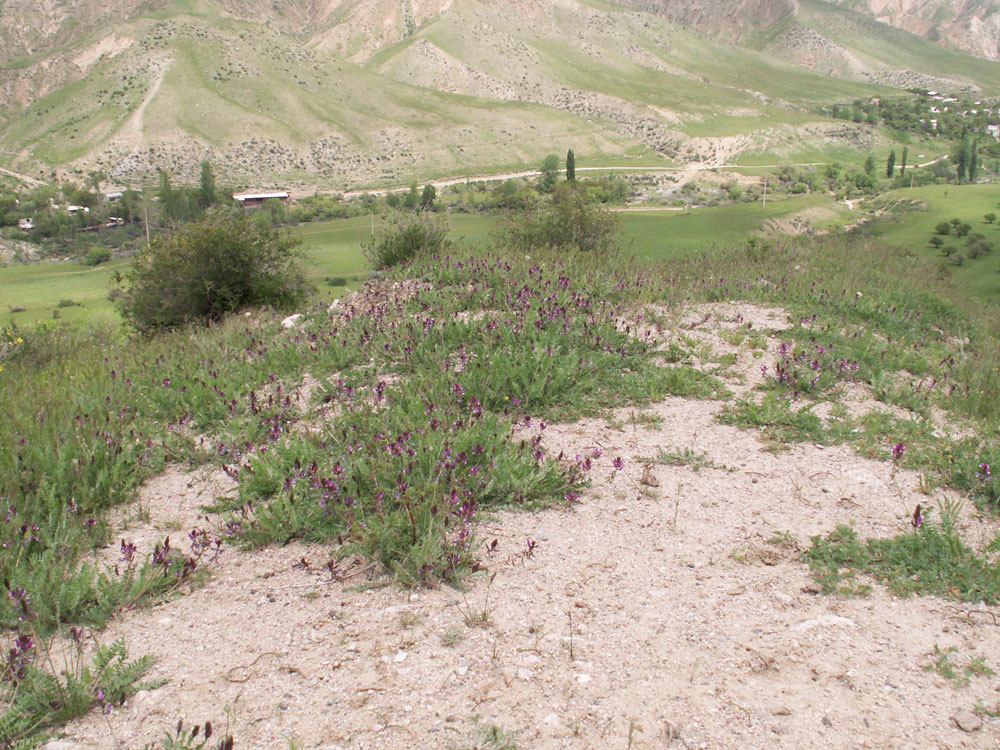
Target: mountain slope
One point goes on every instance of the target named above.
(346, 93)
(969, 25)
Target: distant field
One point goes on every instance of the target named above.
(333, 251)
(981, 276)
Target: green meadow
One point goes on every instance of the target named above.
(333, 254)
(913, 230)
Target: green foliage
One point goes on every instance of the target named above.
(943, 227)
(97, 256)
(405, 236)
(487, 737)
(933, 559)
(550, 174)
(570, 165)
(890, 164)
(206, 186)
(870, 165)
(775, 417)
(35, 700)
(427, 197)
(204, 269)
(195, 738)
(570, 220)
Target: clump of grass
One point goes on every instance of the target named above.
(487, 736)
(683, 457)
(958, 676)
(933, 559)
(775, 417)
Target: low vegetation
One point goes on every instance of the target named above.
(433, 386)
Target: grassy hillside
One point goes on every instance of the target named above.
(471, 90)
(912, 230)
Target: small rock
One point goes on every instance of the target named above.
(782, 711)
(524, 674)
(827, 721)
(649, 478)
(291, 320)
(810, 588)
(737, 591)
(967, 721)
(61, 745)
(781, 596)
(464, 669)
(400, 657)
(823, 620)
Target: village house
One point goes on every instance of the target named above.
(994, 130)
(258, 199)
(25, 225)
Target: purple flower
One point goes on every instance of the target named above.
(618, 463)
(897, 451)
(918, 517)
(984, 474)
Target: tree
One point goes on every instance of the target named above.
(963, 229)
(936, 241)
(206, 188)
(427, 197)
(870, 165)
(973, 166)
(902, 166)
(943, 227)
(990, 217)
(961, 156)
(201, 270)
(550, 173)
(570, 220)
(411, 198)
(890, 164)
(570, 165)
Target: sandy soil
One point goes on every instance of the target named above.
(656, 612)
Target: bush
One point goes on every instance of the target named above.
(569, 221)
(96, 256)
(209, 267)
(405, 235)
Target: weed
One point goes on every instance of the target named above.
(932, 559)
(943, 665)
(683, 457)
(35, 696)
(452, 636)
(487, 736)
(196, 738)
(776, 419)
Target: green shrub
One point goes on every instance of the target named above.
(206, 268)
(96, 256)
(570, 220)
(405, 235)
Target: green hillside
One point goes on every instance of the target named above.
(475, 89)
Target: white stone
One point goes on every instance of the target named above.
(291, 320)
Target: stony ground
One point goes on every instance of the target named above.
(668, 607)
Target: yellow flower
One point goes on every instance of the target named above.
(18, 340)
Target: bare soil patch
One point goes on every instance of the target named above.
(668, 607)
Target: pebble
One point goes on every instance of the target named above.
(61, 745)
(400, 657)
(967, 721)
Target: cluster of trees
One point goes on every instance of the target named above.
(976, 243)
